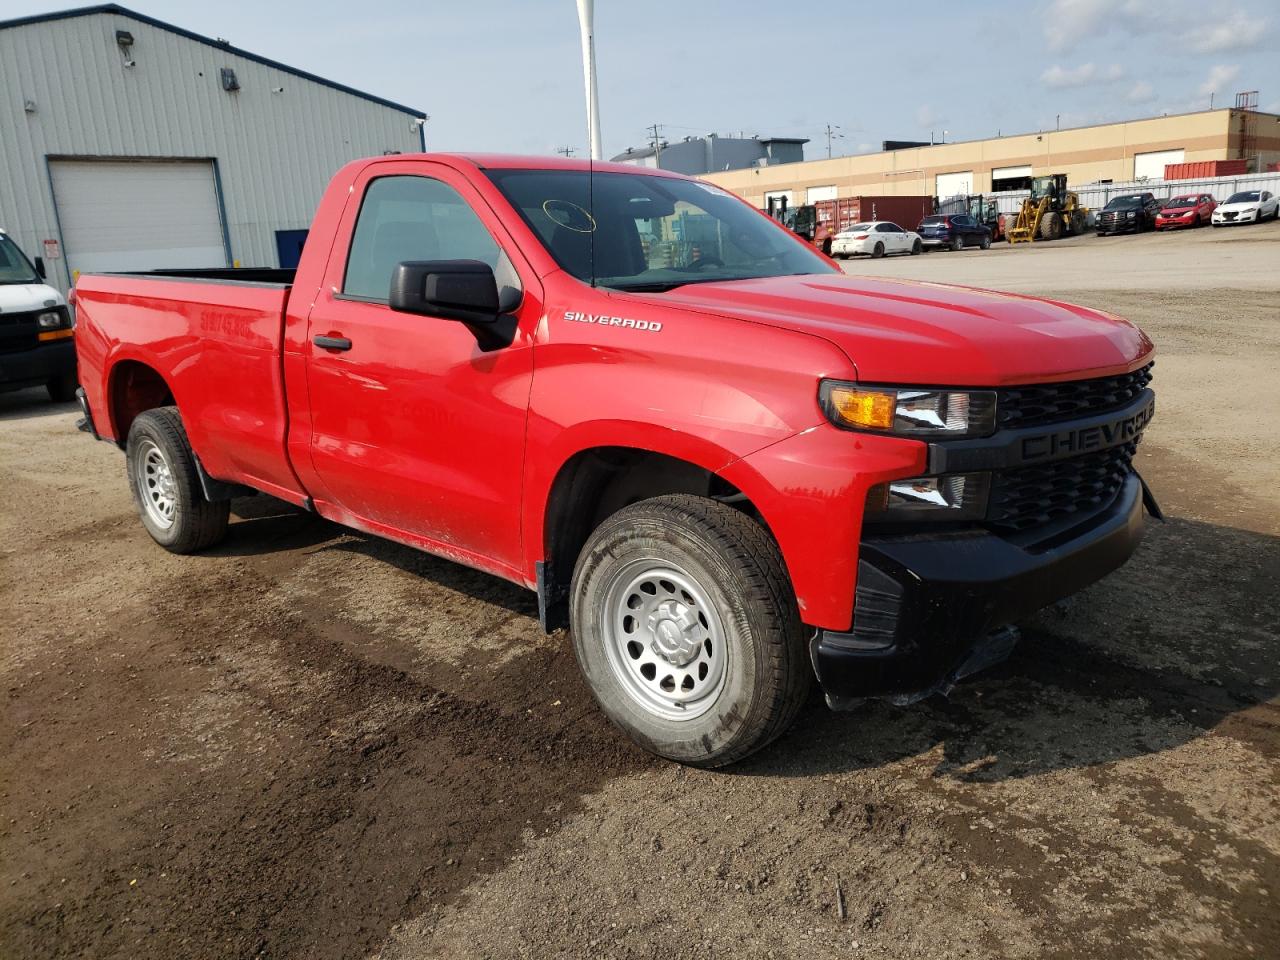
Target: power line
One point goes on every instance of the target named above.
(832, 135)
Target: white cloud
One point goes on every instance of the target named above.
(1141, 92)
(1068, 23)
(1085, 75)
(1220, 79)
(1237, 31)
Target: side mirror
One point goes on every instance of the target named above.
(464, 290)
(40, 268)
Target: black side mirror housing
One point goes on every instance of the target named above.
(40, 268)
(462, 290)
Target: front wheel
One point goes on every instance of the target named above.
(687, 631)
(916, 248)
(166, 488)
(985, 243)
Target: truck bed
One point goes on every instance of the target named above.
(215, 337)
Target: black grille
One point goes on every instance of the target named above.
(1053, 402)
(1032, 497)
(18, 331)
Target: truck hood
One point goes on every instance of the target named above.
(15, 297)
(901, 331)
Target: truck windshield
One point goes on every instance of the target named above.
(639, 232)
(1124, 203)
(14, 266)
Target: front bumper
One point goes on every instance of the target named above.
(37, 366)
(929, 608)
(1182, 220)
(1247, 216)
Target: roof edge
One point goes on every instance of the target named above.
(117, 10)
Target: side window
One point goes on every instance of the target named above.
(414, 218)
(886, 228)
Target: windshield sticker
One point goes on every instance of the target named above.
(569, 215)
(600, 319)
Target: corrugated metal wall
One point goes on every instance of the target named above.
(275, 151)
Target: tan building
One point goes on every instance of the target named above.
(1112, 152)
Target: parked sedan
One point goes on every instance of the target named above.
(875, 239)
(1131, 211)
(1188, 210)
(954, 231)
(1248, 206)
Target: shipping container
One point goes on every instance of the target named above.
(832, 216)
(1199, 169)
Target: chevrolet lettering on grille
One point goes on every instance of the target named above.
(1098, 436)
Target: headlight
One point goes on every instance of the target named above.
(950, 497)
(909, 411)
(50, 320)
(1130, 215)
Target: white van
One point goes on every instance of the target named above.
(36, 334)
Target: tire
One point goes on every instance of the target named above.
(1051, 226)
(985, 243)
(917, 248)
(62, 389)
(957, 244)
(717, 571)
(166, 488)
(877, 251)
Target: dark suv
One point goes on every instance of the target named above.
(956, 231)
(1130, 211)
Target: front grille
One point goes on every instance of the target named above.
(1031, 497)
(1045, 403)
(18, 331)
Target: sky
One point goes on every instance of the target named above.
(506, 75)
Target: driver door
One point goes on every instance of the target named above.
(416, 432)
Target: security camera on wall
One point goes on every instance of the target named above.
(131, 63)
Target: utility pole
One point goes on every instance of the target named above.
(565, 151)
(656, 140)
(586, 16)
(832, 135)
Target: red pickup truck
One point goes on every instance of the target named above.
(724, 464)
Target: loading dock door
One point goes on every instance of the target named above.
(138, 214)
(1011, 178)
(954, 184)
(1150, 166)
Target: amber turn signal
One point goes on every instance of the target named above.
(862, 408)
(54, 335)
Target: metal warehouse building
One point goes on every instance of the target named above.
(1108, 153)
(131, 144)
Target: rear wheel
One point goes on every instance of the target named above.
(686, 628)
(62, 389)
(878, 251)
(957, 243)
(166, 488)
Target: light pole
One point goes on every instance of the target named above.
(586, 16)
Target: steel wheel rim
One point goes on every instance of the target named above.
(664, 640)
(156, 486)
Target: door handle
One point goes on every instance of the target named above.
(332, 343)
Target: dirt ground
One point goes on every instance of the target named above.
(308, 743)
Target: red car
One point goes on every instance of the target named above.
(726, 464)
(1188, 210)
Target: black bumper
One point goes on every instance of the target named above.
(929, 608)
(37, 366)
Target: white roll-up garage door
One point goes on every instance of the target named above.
(1150, 166)
(954, 184)
(818, 194)
(138, 214)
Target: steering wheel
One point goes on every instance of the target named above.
(705, 261)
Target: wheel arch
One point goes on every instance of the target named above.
(133, 387)
(592, 484)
